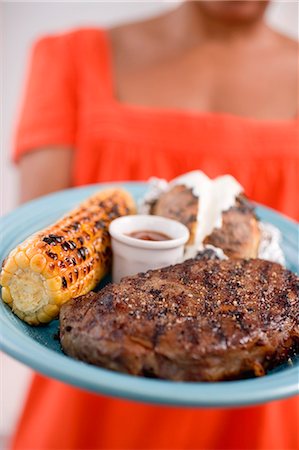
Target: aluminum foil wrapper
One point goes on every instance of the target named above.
(270, 244)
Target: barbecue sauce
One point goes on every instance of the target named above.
(146, 235)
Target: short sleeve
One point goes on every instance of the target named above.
(48, 110)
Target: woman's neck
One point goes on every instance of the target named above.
(189, 25)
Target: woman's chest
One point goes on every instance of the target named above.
(213, 80)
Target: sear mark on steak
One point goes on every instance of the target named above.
(200, 320)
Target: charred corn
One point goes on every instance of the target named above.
(64, 260)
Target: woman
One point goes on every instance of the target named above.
(205, 86)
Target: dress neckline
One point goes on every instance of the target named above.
(172, 112)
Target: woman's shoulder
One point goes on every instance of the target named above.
(69, 39)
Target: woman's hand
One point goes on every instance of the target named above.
(44, 171)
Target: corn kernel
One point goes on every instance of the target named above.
(10, 264)
(43, 317)
(50, 270)
(32, 250)
(31, 319)
(53, 284)
(51, 310)
(6, 295)
(73, 289)
(19, 313)
(21, 260)
(38, 263)
(65, 296)
(5, 278)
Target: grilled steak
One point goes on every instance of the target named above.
(200, 320)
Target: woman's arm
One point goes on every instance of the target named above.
(44, 171)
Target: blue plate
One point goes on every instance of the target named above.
(39, 348)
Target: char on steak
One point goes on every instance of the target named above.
(202, 320)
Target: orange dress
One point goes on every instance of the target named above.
(70, 102)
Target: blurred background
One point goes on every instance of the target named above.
(21, 23)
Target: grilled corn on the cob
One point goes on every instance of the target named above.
(64, 260)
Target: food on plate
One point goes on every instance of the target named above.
(202, 320)
(149, 235)
(65, 260)
(216, 212)
(178, 203)
(131, 255)
(239, 235)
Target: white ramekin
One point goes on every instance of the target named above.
(131, 255)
